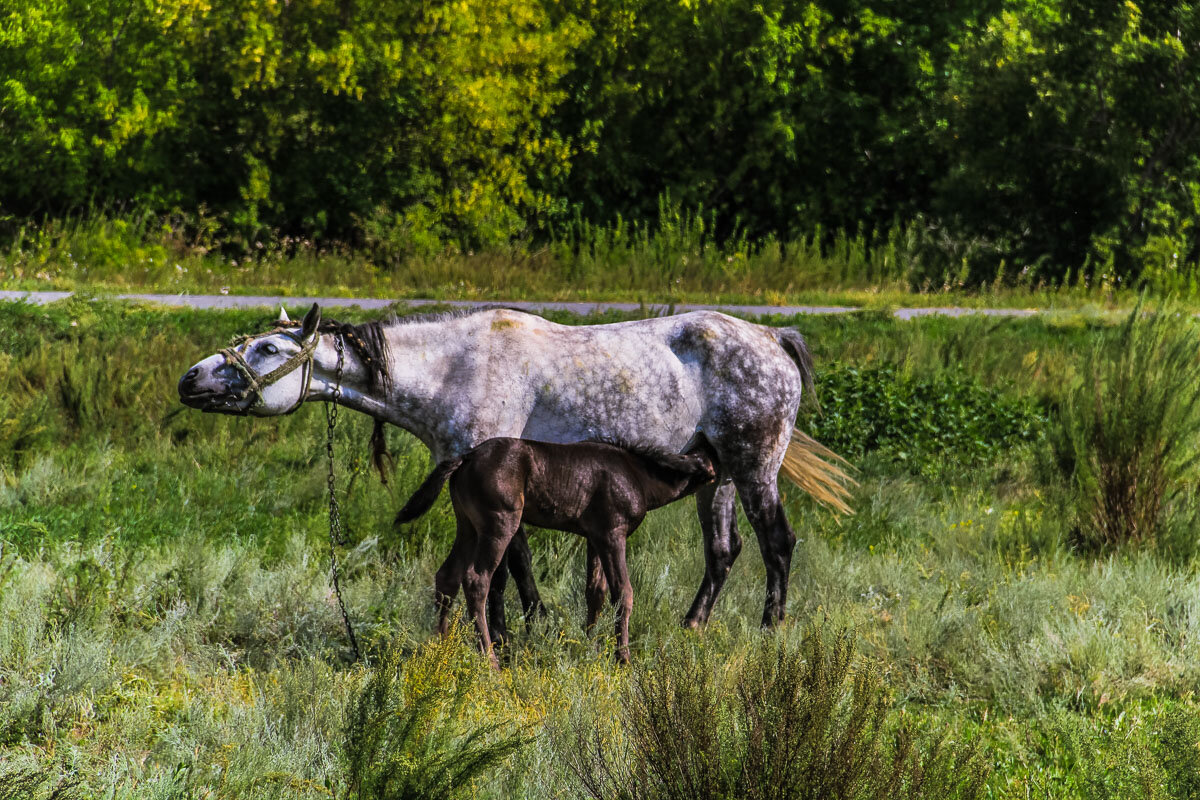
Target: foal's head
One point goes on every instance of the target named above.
(674, 475)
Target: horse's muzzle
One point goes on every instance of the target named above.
(196, 390)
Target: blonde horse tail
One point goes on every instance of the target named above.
(818, 471)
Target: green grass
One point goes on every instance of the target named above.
(674, 262)
(167, 627)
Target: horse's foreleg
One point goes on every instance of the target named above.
(722, 544)
(596, 586)
(776, 541)
(519, 561)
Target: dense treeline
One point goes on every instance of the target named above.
(1057, 135)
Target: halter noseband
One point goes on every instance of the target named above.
(256, 384)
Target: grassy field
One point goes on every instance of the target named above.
(167, 629)
(676, 262)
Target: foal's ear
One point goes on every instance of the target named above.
(312, 321)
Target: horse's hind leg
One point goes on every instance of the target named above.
(596, 586)
(760, 499)
(722, 544)
(449, 576)
(492, 538)
(497, 619)
(518, 561)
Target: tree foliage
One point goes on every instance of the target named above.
(1056, 135)
(311, 116)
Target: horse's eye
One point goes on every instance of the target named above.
(270, 349)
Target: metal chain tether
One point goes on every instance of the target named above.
(336, 536)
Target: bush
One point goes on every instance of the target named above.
(918, 420)
(37, 784)
(1127, 762)
(1125, 440)
(406, 735)
(790, 723)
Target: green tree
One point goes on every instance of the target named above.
(781, 116)
(311, 116)
(1072, 130)
(87, 90)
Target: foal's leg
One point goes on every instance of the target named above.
(450, 575)
(519, 561)
(612, 555)
(722, 544)
(596, 587)
(491, 541)
(497, 620)
(760, 499)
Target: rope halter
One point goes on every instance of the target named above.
(255, 384)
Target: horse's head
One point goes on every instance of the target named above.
(266, 374)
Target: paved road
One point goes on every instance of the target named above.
(253, 301)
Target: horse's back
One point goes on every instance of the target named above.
(654, 382)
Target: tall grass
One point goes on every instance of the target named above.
(1127, 438)
(404, 737)
(788, 723)
(676, 256)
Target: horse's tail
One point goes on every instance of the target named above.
(427, 492)
(794, 345)
(818, 471)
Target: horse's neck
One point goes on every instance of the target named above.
(660, 493)
(662, 487)
(418, 357)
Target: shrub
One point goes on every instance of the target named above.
(918, 420)
(1129, 762)
(1176, 748)
(1124, 442)
(792, 722)
(34, 783)
(406, 735)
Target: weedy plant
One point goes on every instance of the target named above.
(1125, 441)
(792, 722)
(920, 421)
(406, 735)
(1154, 762)
(31, 783)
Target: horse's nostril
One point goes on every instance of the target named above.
(191, 373)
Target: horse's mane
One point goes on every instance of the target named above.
(367, 338)
(370, 347)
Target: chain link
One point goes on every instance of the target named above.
(336, 534)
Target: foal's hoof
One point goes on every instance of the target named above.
(691, 624)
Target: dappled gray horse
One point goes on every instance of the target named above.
(456, 380)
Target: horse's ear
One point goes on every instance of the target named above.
(284, 319)
(312, 321)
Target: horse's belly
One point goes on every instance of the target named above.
(647, 402)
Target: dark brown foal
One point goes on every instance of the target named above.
(599, 491)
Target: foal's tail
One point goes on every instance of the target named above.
(818, 471)
(427, 492)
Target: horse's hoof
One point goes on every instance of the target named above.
(691, 624)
